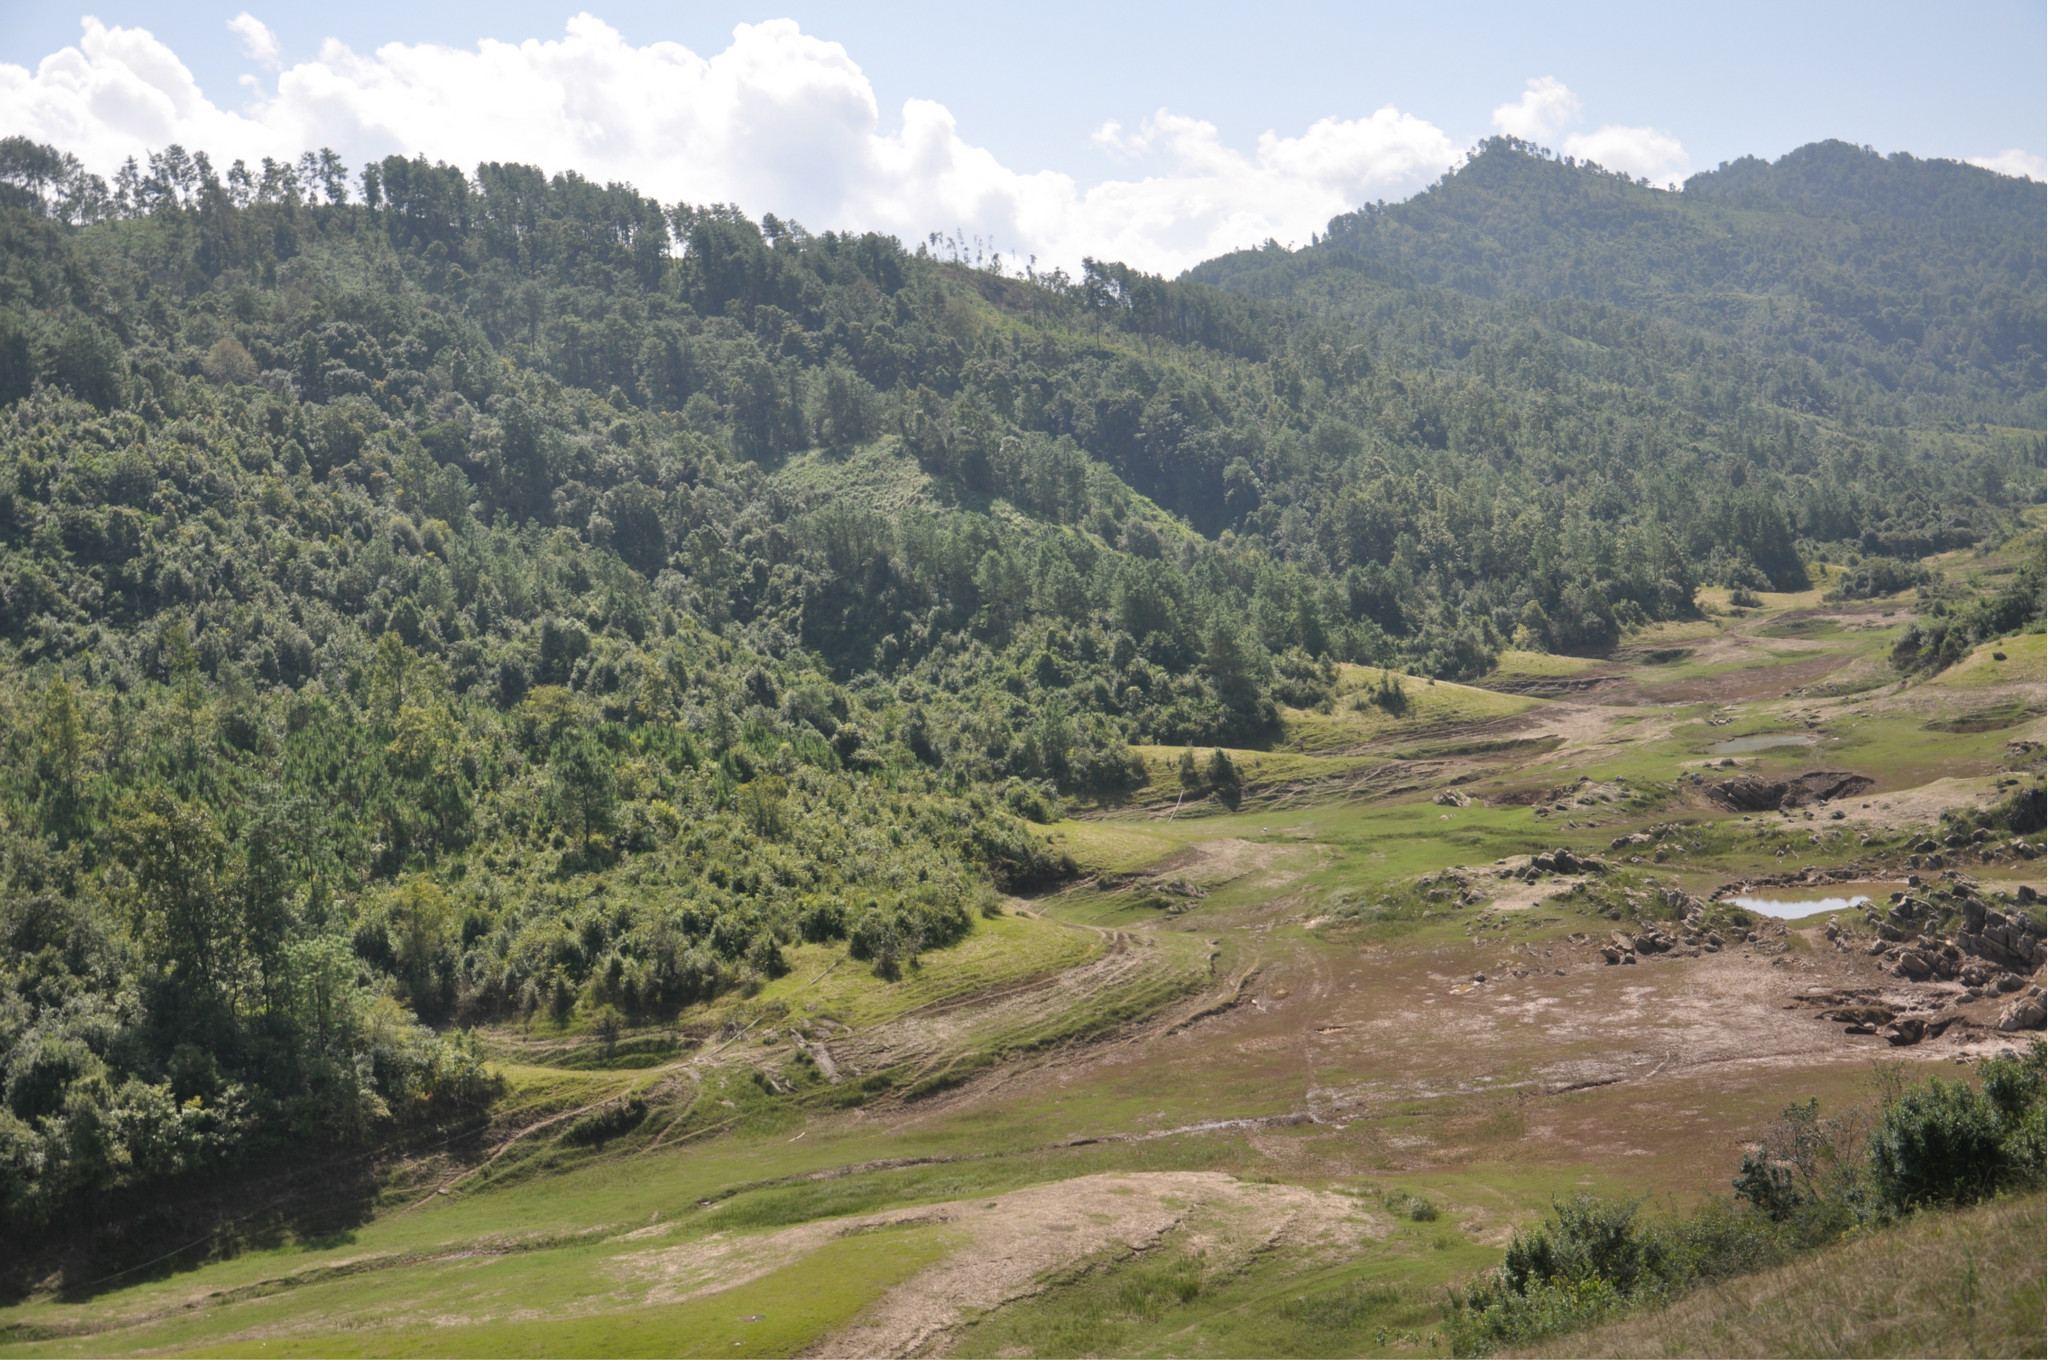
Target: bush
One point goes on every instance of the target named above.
(605, 1123)
(1941, 1143)
(1876, 576)
(1485, 1320)
(2025, 810)
(1412, 1207)
(1388, 695)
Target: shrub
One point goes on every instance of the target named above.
(1876, 576)
(605, 1123)
(1937, 1144)
(2025, 810)
(1388, 695)
(1412, 1207)
(1809, 1181)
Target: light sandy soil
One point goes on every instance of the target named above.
(1025, 1241)
(1017, 1244)
(1207, 863)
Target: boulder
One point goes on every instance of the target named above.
(1938, 1024)
(1976, 973)
(1914, 965)
(1905, 1031)
(2024, 1013)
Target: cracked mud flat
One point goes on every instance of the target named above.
(1019, 1243)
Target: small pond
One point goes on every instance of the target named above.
(1744, 745)
(1793, 903)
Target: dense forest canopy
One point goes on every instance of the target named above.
(429, 596)
(1914, 287)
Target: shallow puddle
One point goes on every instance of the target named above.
(1790, 904)
(1743, 745)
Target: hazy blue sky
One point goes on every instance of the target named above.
(1659, 89)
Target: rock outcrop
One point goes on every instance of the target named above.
(2009, 941)
(2024, 1013)
(1751, 793)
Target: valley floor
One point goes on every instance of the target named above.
(1263, 1083)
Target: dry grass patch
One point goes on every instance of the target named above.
(1000, 952)
(1114, 847)
(1515, 665)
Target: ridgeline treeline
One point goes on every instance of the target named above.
(430, 596)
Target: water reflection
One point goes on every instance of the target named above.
(1790, 911)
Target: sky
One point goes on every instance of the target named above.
(1158, 134)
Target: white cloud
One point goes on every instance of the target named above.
(1548, 106)
(1544, 108)
(779, 121)
(257, 39)
(2015, 162)
(1643, 152)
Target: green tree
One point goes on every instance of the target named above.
(583, 784)
(179, 894)
(63, 748)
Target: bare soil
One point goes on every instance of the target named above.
(1018, 1244)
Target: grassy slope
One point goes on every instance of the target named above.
(1966, 1283)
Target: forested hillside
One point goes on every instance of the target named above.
(1885, 290)
(432, 596)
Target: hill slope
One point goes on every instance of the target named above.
(1915, 284)
(508, 598)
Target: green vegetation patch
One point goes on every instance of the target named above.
(779, 1314)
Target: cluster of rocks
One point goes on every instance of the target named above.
(1450, 885)
(1654, 840)
(1558, 861)
(1864, 1012)
(1928, 853)
(1990, 948)
(1691, 938)
(1987, 952)
(1583, 794)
